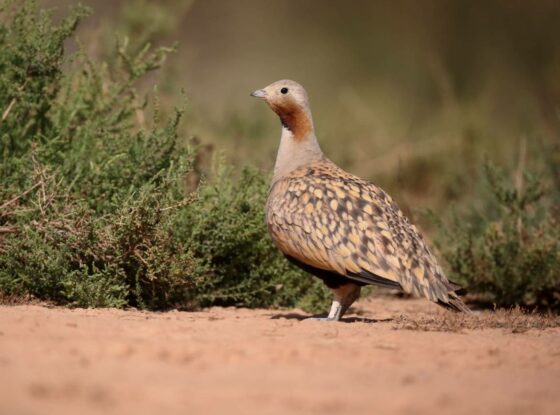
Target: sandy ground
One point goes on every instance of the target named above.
(385, 360)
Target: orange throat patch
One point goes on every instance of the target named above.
(295, 119)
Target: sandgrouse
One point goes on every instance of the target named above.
(338, 227)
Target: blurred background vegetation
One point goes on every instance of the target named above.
(451, 106)
(412, 94)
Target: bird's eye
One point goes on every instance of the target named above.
(284, 90)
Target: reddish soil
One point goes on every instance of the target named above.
(393, 357)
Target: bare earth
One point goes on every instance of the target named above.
(387, 359)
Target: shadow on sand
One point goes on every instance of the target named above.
(301, 317)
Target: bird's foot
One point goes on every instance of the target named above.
(321, 318)
(336, 313)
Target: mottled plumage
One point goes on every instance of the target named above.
(337, 226)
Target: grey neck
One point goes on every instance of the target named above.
(293, 153)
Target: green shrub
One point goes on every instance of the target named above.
(510, 254)
(239, 264)
(95, 208)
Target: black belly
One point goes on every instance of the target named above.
(335, 280)
(331, 279)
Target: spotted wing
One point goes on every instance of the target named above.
(334, 221)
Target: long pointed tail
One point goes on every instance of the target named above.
(455, 303)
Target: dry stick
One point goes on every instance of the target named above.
(182, 203)
(7, 110)
(12, 103)
(9, 202)
(40, 172)
(8, 229)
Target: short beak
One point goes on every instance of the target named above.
(259, 93)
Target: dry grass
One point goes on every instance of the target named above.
(15, 299)
(516, 320)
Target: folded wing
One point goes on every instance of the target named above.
(337, 222)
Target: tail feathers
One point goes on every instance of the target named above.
(455, 303)
(456, 288)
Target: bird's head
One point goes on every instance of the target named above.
(289, 100)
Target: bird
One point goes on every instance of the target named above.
(338, 227)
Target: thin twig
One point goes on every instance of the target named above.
(182, 203)
(8, 109)
(12, 103)
(15, 199)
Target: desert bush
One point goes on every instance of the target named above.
(508, 252)
(94, 205)
(238, 264)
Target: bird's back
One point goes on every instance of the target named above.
(328, 219)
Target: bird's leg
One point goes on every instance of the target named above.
(344, 297)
